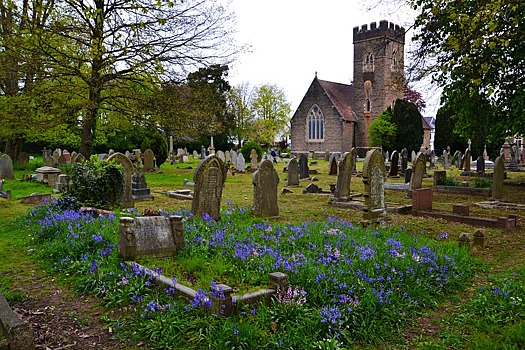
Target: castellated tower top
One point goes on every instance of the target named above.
(385, 29)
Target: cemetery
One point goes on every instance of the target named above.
(235, 250)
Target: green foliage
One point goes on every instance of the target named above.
(448, 181)
(96, 183)
(445, 132)
(272, 114)
(481, 182)
(409, 130)
(382, 132)
(158, 144)
(247, 148)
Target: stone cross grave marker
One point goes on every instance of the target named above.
(417, 173)
(394, 164)
(209, 180)
(158, 236)
(374, 175)
(497, 178)
(342, 188)
(293, 173)
(304, 171)
(265, 181)
(149, 163)
(126, 199)
(6, 167)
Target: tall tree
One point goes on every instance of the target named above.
(272, 112)
(142, 41)
(240, 100)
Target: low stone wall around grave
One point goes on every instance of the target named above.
(473, 191)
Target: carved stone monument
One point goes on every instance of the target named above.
(265, 181)
(374, 175)
(209, 180)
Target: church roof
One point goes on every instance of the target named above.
(341, 97)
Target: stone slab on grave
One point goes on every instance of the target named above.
(265, 181)
(180, 194)
(158, 236)
(48, 175)
(36, 198)
(209, 178)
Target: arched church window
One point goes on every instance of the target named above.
(315, 124)
(368, 62)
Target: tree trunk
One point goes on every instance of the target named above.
(13, 147)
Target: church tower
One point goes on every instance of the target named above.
(378, 72)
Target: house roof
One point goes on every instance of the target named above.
(430, 121)
(426, 123)
(341, 97)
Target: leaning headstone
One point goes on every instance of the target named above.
(497, 178)
(480, 166)
(126, 199)
(23, 158)
(149, 163)
(265, 181)
(293, 173)
(304, 171)
(374, 175)
(6, 167)
(333, 165)
(253, 159)
(394, 164)
(342, 188)
(158, 236)
(240, 163)
(209, 180)
(418, 170)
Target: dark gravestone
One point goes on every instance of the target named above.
(209, 180)
(497, 178)
(23, 158)
(265, 181)
(404, 160)
(460, 160)
(158, 236)
(126, 199)
(480, 166)
(466, 162)
(333, 165)
(408, 174)
(439, 177)
(346, 164)
(293, 173)
(303, 167)
(374, 175)
(6, 167)
(394, 164)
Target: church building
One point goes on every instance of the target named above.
(335, 117)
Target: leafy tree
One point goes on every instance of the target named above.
(473, 49)
(382, 132)
(408, 121)
(246, 150)
(272, 113)
(445, 135)
(121, 41)
(240, 101)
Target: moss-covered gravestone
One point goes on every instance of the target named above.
(209, 180)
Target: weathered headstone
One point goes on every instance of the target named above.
(209, 180)
(459, 160)
(304, 171)
(149, 163)
(67, 155)
(233, 156)
(394, 164)
(126, 199)
(342, 188)
(497, 178)
(417, 173)
(48, 161)
(432, 159)
(333, 165)
(195, 154)
(6, 167)
(221, 156)
(327, 156)
(158, 236)
(56, 155)
(293, 173)
(480, 166)
(439, 177)
(265, 181)
(227, 158)
(466, 163)
(23, 158)
(62, 160)
(413, 157)
(374, 175)
(446, 159)
(253, 159)
(404, 160)
(240, 163)
(61, 184)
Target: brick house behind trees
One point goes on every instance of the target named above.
(335, 117)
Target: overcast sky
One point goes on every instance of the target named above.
(291, 40)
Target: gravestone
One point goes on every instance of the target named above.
(342, 188)
(413, 157)
(221, 156)
(62, 160)
(333, 165)
(110, 152)
(417, 173)
(139, 188)
(209, 178)
(195, 154)
(240, 163)
(23, 158)
(265, 181)
(304, 171)
(327, 156)
(466, 163)
(404, 160)
(80, 158)
(233, 156)
(394, 164)
(387, 157)
(446, 159)
(480, 166)
(48, 161)
(6, 167)
(497, 178)
(439, 177)
(408, 174)
(149, 163)
(459, 160)
(227, 158)
(56, 155)
(157, 236)
(374, 175)
(432, 159)
(293, 173)
(61, 184)
(67, 155)
(126, 199)
(253, 159)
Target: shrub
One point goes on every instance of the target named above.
(247, 148)
(482, 183)
(448, 181)
(158, 144)
(96, 183)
